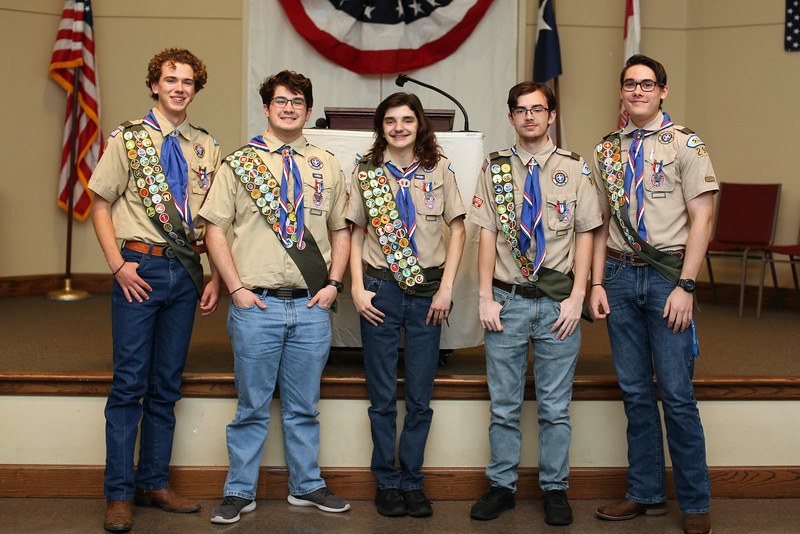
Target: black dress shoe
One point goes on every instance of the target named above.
(495, 501)
(556, 508)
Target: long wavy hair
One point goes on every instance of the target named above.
(426, 149)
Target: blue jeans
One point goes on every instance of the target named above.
(151, 341)
(641, 345)
(421, 355)
(529, 321)
(287, 343)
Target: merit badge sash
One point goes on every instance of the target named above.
(384, 219)
(609, 161)
(265, 190)
(159, 203)
(554, 284)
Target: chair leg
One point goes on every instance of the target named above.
(778, 300)
(744, 281)
(793, 263)
(761, 284)
(711, 279)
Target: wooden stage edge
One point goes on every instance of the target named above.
(456, 387)
(357, 483)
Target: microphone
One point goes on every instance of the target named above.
(321, 123)
(403, 78)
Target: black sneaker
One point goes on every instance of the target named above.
(390, 502)
(322, 499)
(417, 504)
(495, 501)
(556, 508)
(231, 509)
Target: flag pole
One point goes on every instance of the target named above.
(67, 293)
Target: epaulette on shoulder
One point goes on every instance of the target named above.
(573, 155)
(128, 124)
(331, 153)
(684, 129)
(199, 128)
(505, 153)
(610, 134)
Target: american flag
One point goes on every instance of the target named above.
(792, 41)
(630, 47)
(547, 61)
(75, 48)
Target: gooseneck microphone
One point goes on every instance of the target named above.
(403, 78)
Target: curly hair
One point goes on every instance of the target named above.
(170, 56)
(294, 82)
(426, 149)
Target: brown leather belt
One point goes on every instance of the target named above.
(159, 250)
(635, 259)
(284, 293)
(527, 292)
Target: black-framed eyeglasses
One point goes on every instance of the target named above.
(647, 85)
(282, 101)
(535, 110)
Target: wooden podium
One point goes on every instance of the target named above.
(361, 118)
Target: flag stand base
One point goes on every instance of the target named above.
(68, 294)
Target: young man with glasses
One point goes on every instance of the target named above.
(655, 184)
(537, 207)
(282, 196)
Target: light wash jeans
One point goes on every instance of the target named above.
(287, 343)
(641, 345)
(529, 321)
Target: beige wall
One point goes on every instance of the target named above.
(717, 62)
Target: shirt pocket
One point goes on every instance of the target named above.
(200, 176)
(561, 212)
(317, 196)
(428, 196)
(660, 171)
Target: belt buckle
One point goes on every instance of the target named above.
(284, 293)
(168, 253)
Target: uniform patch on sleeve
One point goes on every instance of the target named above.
(477, 201)
(711, 179)
(586, 170)
(450, 168)
(701, 151)
(694, 141)
(115, 133)
(485, 164)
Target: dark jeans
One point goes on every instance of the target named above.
(380, 344)
(151, 341)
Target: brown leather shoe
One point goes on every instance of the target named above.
(118, 516)
(627, 509)
(166, 499)
(696, 524)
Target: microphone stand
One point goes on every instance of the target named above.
(403, 78)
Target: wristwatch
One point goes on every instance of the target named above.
(687, 284)
(337, 284)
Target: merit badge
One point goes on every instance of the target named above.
(495, 169)
(199, 150)
(315, 163)
(205, 183)
(665, 138)
(560, 178)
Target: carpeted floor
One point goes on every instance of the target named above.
(42, 335)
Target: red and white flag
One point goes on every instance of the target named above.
(75, 48)
(633, 33)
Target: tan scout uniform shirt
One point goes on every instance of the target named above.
(443, 205)
(259, 256)
(112, 180)
(687, 174)
(576, 191)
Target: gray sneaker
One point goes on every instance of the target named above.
(322, 499)
(231, 509)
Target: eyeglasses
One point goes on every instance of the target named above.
(647, 85)
(296, 102)
(535, 110)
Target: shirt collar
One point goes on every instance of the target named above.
(654, 124)
(274, 144)
(183, 128)
(541, 157)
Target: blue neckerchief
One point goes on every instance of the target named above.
(405, 204)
